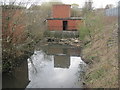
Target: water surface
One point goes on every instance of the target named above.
(56, 67)
(52, 66)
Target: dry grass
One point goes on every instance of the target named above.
(102, 52)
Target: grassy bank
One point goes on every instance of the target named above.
(100, 50)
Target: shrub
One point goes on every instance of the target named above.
(83, 32)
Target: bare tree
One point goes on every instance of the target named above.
(15, 39)
(23, 25)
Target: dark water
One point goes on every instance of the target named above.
(50, 66)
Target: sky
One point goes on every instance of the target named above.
(96, 3)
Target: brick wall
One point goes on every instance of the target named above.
(61, 11)
(58, 24)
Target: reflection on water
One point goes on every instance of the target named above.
(56, 67)
(61, 61)
(50, 67)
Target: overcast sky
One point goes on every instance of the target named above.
(96, 3)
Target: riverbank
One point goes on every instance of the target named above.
(101, 55)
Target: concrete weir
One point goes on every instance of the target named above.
(67, 34)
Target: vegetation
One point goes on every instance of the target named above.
(75, 10)
(22, 29)
(15, 39)
(84, 32)
(21, 33)
(99, 35)
(92, 25)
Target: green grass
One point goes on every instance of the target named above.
(92, 24)
(97, 74)
(83, 31)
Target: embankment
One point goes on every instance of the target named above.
(101, 55)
